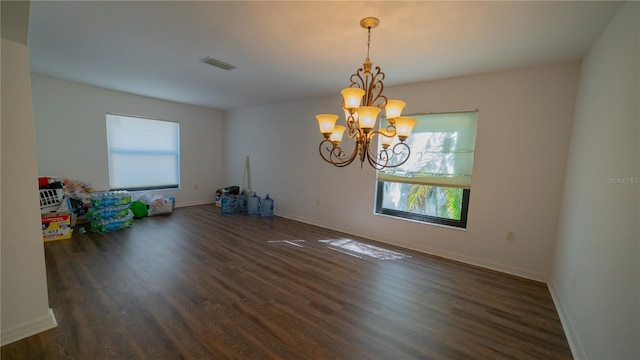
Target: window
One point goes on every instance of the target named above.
(434, 185)
(143, 154)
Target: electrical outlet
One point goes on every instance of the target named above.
(511, 236)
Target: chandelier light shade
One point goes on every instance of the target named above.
(367, 116)
(362, 103)
(394, 108)
(337, 134)
(326, 122)
(404, 125)
(386, 138)
(352, 97)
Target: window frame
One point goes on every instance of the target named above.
(427, 219)
(174, 154)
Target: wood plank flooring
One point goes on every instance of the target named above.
(200, 285)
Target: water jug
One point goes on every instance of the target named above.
(266, 207)
(227, 203)
(253, 204)
(241, 202)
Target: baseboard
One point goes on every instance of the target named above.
(520, 272)
(490, 265)
(31, 328)
(194, 203)
(567, 325)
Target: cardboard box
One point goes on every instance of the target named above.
(56, 226)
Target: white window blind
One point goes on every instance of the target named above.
(143, 153)
(442, 150)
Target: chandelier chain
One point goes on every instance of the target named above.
(368, 41)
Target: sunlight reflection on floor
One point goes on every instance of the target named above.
(353, 246)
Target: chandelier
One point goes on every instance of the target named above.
(362, 102)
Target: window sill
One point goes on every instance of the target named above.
(420, 222)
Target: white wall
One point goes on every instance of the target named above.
(24, 300)
(596, 280)
(523, 132)
(71, 135)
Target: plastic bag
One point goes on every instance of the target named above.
(160, 205)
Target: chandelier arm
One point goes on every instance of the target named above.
(373, 86)
(391, 128)
(380, 160)
(351, 121)
(330, 149)
(368, 84)
(344, 162)
(377, 161)
(391, 131)
(354, 132)
(375, 89)
(357, 80)
(397, 150)
(335, 155)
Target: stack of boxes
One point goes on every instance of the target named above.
(109, 211)
(56, 226)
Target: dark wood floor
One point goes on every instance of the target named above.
(199, 285)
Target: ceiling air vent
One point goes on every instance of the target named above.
(217, 63)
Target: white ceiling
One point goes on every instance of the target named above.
(294, 50)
